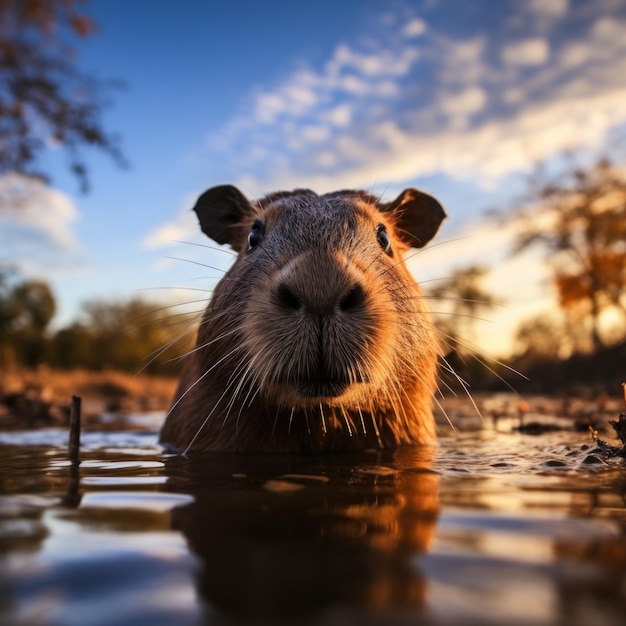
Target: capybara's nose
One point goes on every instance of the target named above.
(289, 297)
(318, 285)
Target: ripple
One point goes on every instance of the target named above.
(377, 470)
(554, 527)
(144, 501)
(21, 504)
(138, 442)
(282, 486)
(41, 437)
(120, 465)
(105, 481)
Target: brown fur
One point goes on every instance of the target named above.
(317, 338)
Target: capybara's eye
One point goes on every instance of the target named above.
(256, 234)
(384, 239)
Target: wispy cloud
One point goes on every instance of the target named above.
(413, 101)
(534, 51)
(183, 228)
(36, 225)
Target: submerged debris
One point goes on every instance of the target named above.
(538, 428)
(620, 428)
(74, 443)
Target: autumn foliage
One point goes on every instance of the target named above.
(580, 222)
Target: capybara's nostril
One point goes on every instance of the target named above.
(287, 298)
(353, 299)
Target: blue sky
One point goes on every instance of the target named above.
(460, 98)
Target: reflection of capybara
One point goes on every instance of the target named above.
(320, 540)
(317, 338)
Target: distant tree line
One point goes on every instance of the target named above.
(132, 336)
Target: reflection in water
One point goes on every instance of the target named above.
(343, 536)
(495, 529)
(530, 533)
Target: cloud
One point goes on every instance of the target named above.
(548, 8)
(607, 28)
(482, 155)
(528, 52)
(312, 103)
(459, 62)
(184, 227)
(348, 72)
(469, 101)
(340, 115)
(414, 28)
(36, 224)
(375, 64)
(476, 109)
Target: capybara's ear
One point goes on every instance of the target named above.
(221, 210)
(417, 216)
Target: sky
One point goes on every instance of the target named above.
(459, 98)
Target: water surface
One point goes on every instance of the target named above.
(492, 528)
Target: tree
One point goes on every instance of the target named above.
(44, 98)
(580, 221)
(548, 337)
(462, 299)
(131, 335)
(73, 347)
(26, 309)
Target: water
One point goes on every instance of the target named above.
(495, 528)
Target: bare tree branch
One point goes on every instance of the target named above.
(45, 101)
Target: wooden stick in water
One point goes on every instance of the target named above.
(74, 446)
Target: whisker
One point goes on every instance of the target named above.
(207, 246)
(207, 418)
(209, 291)
(157, 353)
(432, 246)
(293, 408)
(323, 420)
(362, 421)
(465, 386)
(347, 420)
(204, 423)
(476, 350)
(193, 262)
(439, 405)
(273, 432)
(202, 377)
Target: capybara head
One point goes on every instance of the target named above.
(317, 338)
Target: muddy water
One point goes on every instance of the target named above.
(495, 527)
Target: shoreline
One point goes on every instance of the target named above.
(41, 397)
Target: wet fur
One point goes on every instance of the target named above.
(316, 339)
